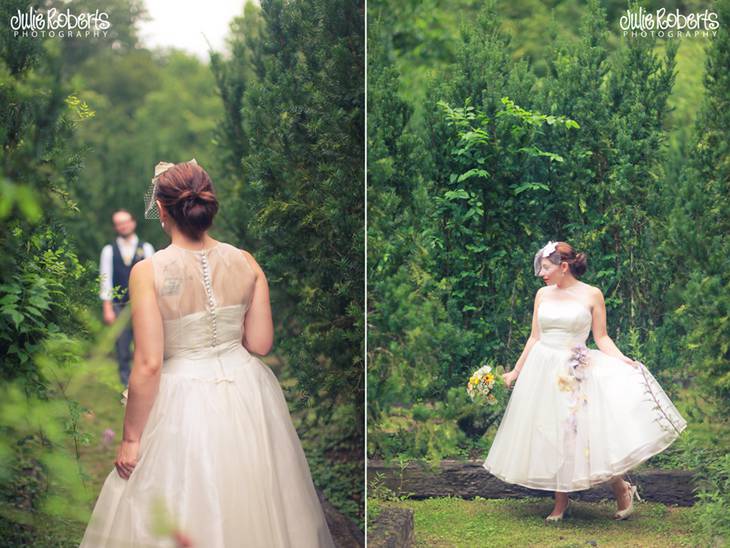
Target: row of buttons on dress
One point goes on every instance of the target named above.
(211, 300)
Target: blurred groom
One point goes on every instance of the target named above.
(117, 260)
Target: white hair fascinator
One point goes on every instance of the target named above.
(151, 211)
(547, 250)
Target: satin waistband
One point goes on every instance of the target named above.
(202, 352)
(560, 343)
(211, 362)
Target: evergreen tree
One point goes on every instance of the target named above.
(234, 72)
(44, 289)
(489, 182)
(407, 322)
(608, 191)
(302, 122)
(697, 251)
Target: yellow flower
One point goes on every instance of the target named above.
(566, 383)
(489, 377)
(474, 380)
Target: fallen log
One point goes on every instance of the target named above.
(393, 528)
(468, 479)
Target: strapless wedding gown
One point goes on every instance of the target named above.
(570, 423)
(220, 460)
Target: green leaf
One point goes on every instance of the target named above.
(474, 172)
(9, 299)
(459, 194)
(530, 186)
(16, 316)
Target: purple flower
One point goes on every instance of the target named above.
(107, 438)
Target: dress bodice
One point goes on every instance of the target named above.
(563, 323)
(203, 297)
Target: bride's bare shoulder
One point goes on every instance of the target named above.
(595, 295)
(592, 289)
(540, 293)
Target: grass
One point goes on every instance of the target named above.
(454, 522)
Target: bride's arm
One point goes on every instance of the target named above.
(258, 327)
(144, 379)
(534, 334)
(600, 334)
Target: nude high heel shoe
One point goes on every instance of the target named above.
(623, 514)
(566, 512)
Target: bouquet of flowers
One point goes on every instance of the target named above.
(486, 383)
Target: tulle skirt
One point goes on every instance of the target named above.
(220, 465)
(563, 434)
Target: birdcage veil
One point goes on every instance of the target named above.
(544, 252)
(151, 211)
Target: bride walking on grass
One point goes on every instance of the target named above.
(577, 417)
(209, 457)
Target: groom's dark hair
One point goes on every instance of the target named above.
(122, 210)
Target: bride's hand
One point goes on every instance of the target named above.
(127, 458)
(510, 377)
(633, 363)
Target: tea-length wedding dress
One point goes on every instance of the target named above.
(577, 417)
(219, 455)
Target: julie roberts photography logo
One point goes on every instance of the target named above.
(664, 23)
(52, 23)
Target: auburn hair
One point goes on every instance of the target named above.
(186, 192)
(578, 262)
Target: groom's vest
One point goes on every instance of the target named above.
(120, 271)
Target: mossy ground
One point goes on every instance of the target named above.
(455, 522)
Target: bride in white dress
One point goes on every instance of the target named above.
(577, 417)
(209, 457)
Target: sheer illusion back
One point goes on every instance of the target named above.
(219, 451)
(203, 296)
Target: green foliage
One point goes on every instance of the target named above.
(513, 160)
(696, 250)
(44, 290)
(150, 107)
(407, 321)
(479, 211)
(715, 502)
(452, 428)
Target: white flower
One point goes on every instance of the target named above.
(549, 248)
(483, 370)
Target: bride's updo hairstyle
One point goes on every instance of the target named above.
(186, 192)
(577, 262)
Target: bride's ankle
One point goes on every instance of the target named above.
(620, 488)
(623, 497)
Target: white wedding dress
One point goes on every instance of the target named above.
(569, 428)
(220, 460)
